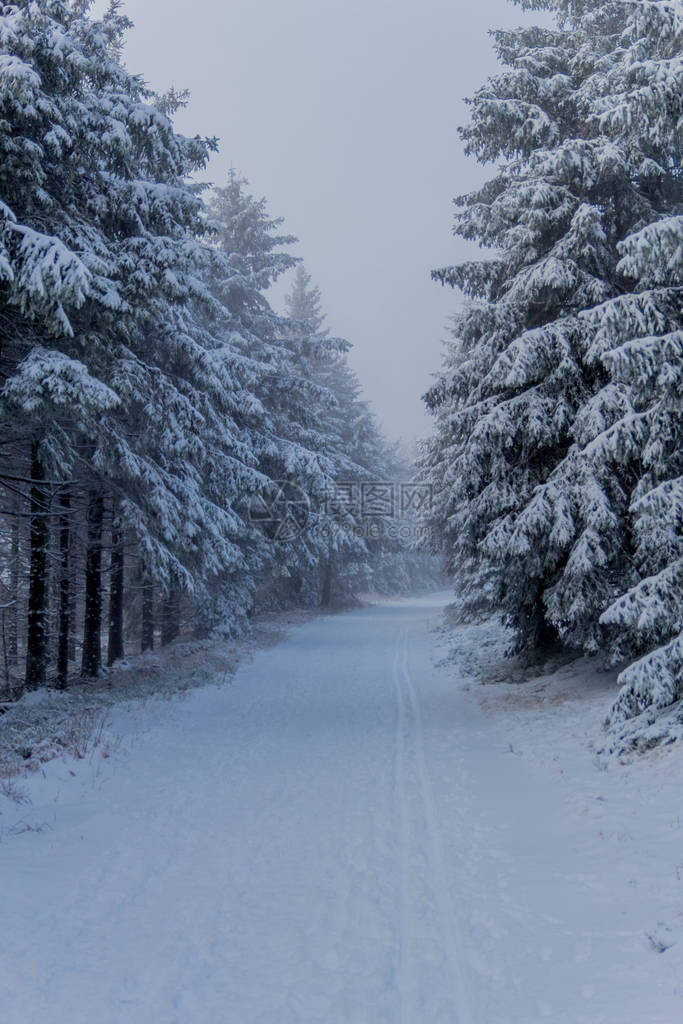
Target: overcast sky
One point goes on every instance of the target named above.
(344, 114)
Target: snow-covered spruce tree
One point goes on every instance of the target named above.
(354, 443)
(639, 337)
(377, 472)
(647, 619)
(316, 356)
(532, 528)
(291, 442)
(105, 368)
(249, 261)
(350, 425)
(636, 106)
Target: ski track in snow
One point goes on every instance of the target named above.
(425, 834)
(341, 836)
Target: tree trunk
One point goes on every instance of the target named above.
(115, 646)
(546, 636)
(73, 615)
(170, 617)
(36, 633)
(5, 653)
(13, 617)
(92, 620)
(326, 595)
(147, 636)
(64, 606)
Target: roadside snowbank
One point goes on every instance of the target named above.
(47, 723)
(577, 858)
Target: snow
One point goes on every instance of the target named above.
(46, 374)
(361, 828)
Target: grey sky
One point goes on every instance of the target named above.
(343, 113)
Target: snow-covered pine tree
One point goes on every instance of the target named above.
(106, 368)
(289, 435)
(357, 543)
(249, 260)
(316, 355)
(369, 470)
(303, 303)
(647, 619)
(639, 336)
(533, 528)
(349, 424)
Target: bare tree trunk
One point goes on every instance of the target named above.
(5, 653)
(73, 615)
(64, 608)
(170, 617)
(147, 637)
(92, 621)
(13, 617)
(36, 633)
(326, 595)
(117, 566)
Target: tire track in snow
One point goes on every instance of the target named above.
(409, 721)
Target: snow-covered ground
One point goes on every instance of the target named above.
(349, 832)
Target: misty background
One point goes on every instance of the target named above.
(344, 115)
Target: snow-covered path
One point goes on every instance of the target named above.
(339, 836)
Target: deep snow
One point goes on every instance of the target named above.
(351, 833)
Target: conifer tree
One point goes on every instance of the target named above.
(639, 336)
(107, 368)
(291, 443)
(535, 527)
(364, 551)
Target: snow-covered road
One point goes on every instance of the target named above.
(339, 836)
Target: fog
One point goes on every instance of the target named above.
(344, 115)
